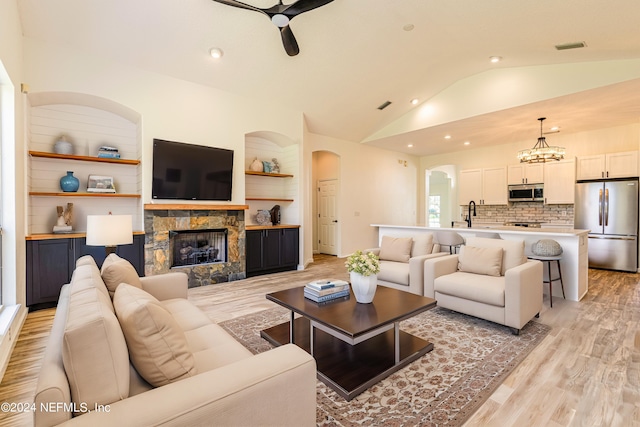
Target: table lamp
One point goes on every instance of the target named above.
(109, 231)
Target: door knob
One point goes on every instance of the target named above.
(335, 220)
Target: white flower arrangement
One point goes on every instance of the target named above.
(364, 264)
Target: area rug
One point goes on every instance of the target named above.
(470, 359)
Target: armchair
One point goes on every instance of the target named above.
(490, 279)
(402, 261)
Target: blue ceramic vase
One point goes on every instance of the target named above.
(69, 183)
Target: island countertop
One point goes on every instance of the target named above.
(495, 229)
(574, 243)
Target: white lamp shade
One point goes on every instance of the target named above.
(109, 230)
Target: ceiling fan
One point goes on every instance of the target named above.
(281, 14)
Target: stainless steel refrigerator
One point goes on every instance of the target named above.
(610, 210)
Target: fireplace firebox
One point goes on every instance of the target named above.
(194, 247)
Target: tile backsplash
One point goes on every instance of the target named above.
(522, 211)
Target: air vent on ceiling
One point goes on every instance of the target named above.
(576, 45)
(384, 105)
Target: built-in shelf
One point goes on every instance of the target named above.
(44, 154)
(268, 199)
(275, 175)
(76, 194)
(72, 235)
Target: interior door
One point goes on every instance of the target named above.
(327, 216)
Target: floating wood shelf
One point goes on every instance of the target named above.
(76, 194)
(269, 199)
(83, 158)
(275, 175)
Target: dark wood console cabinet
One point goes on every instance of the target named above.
(272, 250)
(50, 264)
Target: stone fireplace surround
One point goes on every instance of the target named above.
(160, 219)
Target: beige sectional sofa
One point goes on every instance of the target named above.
(490, 279)
(402, 261)
(150, 357)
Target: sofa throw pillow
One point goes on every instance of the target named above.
(487, 261)
(396, 248)
(157, 346)
(94, 351)
(513, 250)
(422, 245)
(116, 270)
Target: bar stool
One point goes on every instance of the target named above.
(548, 260)
(451, 239)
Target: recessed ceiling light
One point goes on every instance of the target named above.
(555, 128)
(495, 59)
(409, 145)
(216, 52)
(414, 101)
(408, 27)
(467, 143)
(447, 137)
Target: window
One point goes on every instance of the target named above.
(434, 211)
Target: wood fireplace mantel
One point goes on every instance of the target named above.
(193, 207)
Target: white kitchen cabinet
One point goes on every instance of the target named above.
(484, 186)
(612, 165)
(524, 173)
(559, 182)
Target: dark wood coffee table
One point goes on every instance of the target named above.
(355, 345)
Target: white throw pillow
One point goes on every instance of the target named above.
(422, 245)
(396, 248)
(116, 270)
(157, 346)
(487, 261)
(513, 255)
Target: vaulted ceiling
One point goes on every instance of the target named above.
(355, 55)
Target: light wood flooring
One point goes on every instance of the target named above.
(586, 372)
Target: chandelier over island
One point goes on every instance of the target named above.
(541, 152)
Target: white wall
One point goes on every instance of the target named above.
(171, 109)
(12, 180)
(377, 186)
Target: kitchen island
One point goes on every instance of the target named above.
(574, 262)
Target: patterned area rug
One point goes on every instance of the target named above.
(471, 358)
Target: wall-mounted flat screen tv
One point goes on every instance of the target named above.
(191, 172)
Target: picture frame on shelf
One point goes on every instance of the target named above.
(100, 184)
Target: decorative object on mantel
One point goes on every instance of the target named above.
(109, 231)
(546, 247)
(62, 146)
(263, 217)
(275, 215)
(275, 166)
(69, 183)
(363, 271)
(100, 184)
(256, 166)
(65, 219)
(541, 152)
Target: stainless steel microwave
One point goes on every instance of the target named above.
(526, 193)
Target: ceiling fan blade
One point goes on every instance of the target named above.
(289, 41)
(239, 5)
(302, 6)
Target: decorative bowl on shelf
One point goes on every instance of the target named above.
(62, 146)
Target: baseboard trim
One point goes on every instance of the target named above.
(11, 321)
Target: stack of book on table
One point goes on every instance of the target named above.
(326, 290)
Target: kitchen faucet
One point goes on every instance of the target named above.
(469, 214)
